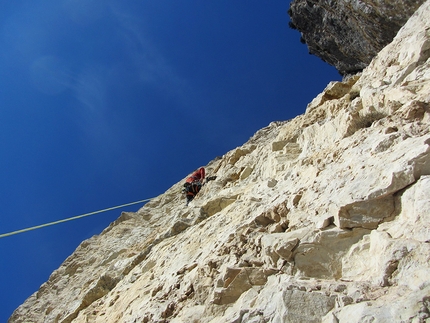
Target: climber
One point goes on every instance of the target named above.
(194, 183)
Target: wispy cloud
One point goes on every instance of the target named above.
(91, 91)
(50, 75)
(151, 65)
(83, 12)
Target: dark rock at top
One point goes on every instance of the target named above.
(349, 33)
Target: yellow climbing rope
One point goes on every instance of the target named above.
(69, 219)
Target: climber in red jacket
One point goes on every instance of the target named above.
(194, 183)
(198, 175)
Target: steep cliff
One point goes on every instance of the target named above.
(349, 34)
(323, 218)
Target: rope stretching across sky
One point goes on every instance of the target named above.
(69, 219)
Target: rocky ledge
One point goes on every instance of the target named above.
(349, 34)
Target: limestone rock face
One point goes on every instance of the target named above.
(324, 218)
(348, 34)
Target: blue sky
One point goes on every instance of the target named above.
(108, 102)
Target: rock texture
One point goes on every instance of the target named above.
(324, 218)
(348, 34)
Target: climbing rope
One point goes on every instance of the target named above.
(69, 219)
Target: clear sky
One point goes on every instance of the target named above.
(109, 102)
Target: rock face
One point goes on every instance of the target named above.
(348, 34)
(324, 218)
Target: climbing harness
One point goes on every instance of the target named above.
(70, 219)
(191, 189)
